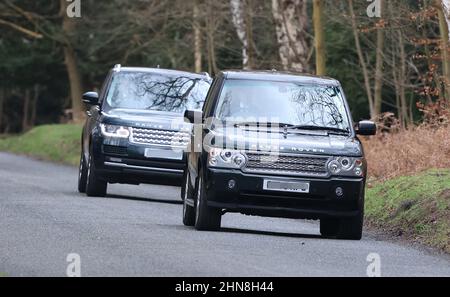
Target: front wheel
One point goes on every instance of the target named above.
(188, 210)
(206, 218)
(82, 174)
(346, 228)
(95, 187)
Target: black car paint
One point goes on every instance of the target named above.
(249, 197)
(139, 168)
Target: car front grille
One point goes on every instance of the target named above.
(283, 164)
(160, 137)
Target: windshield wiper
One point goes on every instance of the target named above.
(252, 124)
(291, 126)
(312, 127)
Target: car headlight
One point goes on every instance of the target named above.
(224, 158)
(115, 131)
(347, 166)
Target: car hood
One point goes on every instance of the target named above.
(309, 142)
(145, 119)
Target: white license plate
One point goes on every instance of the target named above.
(286, 186)
(163, 154)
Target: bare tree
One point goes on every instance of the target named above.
(446, 8)
(2, 99)
(197, 37)
(70, 59)
(291, 20)
(362, 60)
(319, 42)
(242, 21)
(443, 10)
(379, 64)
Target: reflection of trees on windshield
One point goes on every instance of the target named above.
(285, 102)
(171, 93)
(317, 106)
(157, 92)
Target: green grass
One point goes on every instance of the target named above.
(415, 207)
(58, 143)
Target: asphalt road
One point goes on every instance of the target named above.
(137, 231)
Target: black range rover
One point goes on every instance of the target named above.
(276, 144)
(135, 131)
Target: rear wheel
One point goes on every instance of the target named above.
(82, 175)
(206, 218)
(188, 210)
(95, 187)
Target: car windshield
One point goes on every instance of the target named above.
(290, 103)
(155, 91)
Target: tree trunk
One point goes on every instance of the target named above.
(238, 17)
(444, 29)
(242, 21)
(212, 63)
(403, 79)
(26, 110)
(291, 20)
(34, 104)
(197, 38)
(362, 60)
(251, 51)
(319, 42)
(2, 99)
(378, 88)
(70, 59)
(446, 8)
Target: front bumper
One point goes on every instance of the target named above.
(249, 197)
(120, 161)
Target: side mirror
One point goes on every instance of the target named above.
(366, 128)
(90, 98)
(193, 116)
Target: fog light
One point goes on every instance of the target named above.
(231, 184)
(339, 192)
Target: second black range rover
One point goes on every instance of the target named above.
(135, 131)
(276, 144)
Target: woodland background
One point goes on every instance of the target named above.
(397, 63)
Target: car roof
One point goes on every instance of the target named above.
(273, 75)
(204, 75)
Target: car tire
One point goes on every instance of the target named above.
(188, 210)
(351, 228)
(329, 227)
(95, 187)
(206, 218)
(82, 175)
(346, 228)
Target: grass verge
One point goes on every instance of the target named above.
(58, 143)
(415, 207)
